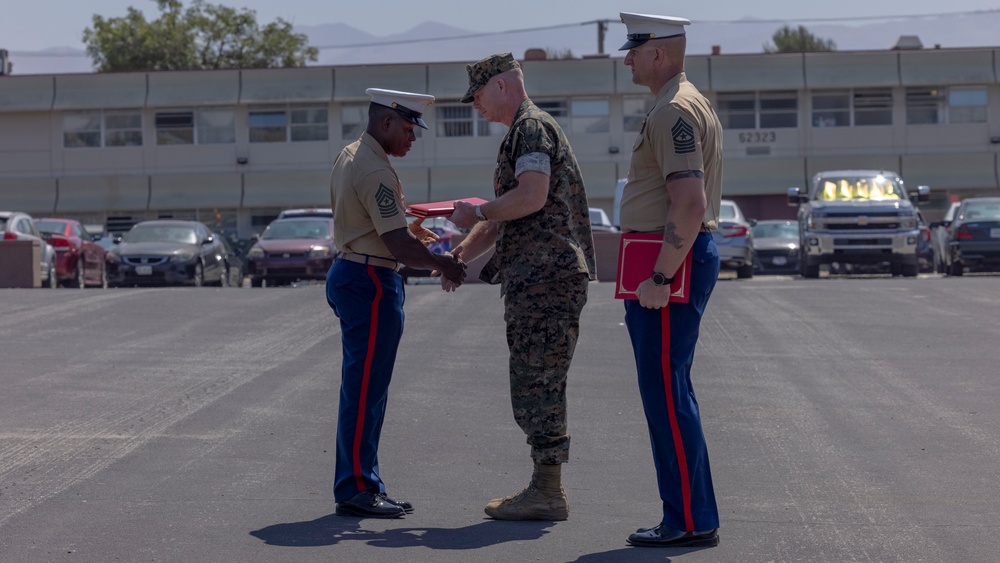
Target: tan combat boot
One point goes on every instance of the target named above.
(543, 499)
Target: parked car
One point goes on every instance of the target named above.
(235, 264)
(599, 221)
(292, 249)
(974, 237)
(939, 237)
(925, 246)
(734, 237)
(444, 229)
(168, 252)
(776, 247)
(306, 212)
(79, 260)
(15, 225)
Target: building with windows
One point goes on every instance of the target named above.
(233, 147)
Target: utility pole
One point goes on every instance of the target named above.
(602, 29)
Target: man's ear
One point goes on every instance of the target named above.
(386, 121)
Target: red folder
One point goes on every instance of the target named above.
(637, 254)
(439, 208)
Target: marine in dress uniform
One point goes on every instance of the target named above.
(674, 188)
(366, 293)
(539, 224)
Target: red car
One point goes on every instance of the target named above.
(290, 250)
(79, 260)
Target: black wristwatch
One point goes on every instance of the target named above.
(660, 279)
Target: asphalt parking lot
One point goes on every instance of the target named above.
(848, 419)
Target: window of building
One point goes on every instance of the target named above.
(309, 123)
(924, 106)
(737, 110)
(634, 110)
(82, 129)
(779, 110)
(353, 120)
(455, 119)
(758, 110)
(590, 116)
(216, 126)
(873, 107)
(295, 123)
(122, 128)
(831, 109)
(175, 128)
(201, 127)
(268, 126)
(967, 105)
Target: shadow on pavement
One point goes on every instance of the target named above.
(332, 529)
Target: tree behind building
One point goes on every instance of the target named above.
(203, 36)
(797, 40)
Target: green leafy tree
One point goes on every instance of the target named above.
(203, 36)
(797, 40)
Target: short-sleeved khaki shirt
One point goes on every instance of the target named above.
(367, 198)
(680, 133)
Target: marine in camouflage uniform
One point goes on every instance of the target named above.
(543, 262)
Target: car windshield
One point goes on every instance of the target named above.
(3, 223)
(776, 230)
(57, 227)
(983, 211)
(298, 229)
(871, 188)
(161, 233)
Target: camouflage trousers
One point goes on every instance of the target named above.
(543, 325)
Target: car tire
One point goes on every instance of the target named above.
(224, 276)
(744, 272)
(955, 269)
(909, 270)
(52, 281)
(256, 282)
(198, 277)
(807, 270)
(80, 279)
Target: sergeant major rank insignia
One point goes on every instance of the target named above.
(683, 136)
(385, 198)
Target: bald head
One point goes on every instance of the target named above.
(502, 95)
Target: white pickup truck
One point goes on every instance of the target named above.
(858, 218)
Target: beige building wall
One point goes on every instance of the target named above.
(242, 183)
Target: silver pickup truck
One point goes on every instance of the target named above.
(858, 219)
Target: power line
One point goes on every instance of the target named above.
(858, 18)
(451, 37)
(845, 19)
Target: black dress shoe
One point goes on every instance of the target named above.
(367, 504)
(665, 536)
(406, 505)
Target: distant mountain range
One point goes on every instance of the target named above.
(342, 44)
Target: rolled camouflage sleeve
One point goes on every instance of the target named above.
(535, 161)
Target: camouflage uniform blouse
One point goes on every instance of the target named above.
(554, 242)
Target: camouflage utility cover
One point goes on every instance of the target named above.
(480, 72)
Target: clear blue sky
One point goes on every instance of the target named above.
(28, 25)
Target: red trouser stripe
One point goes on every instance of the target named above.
(369, 357)
(672, 414)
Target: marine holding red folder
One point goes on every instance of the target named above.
(673, 196)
